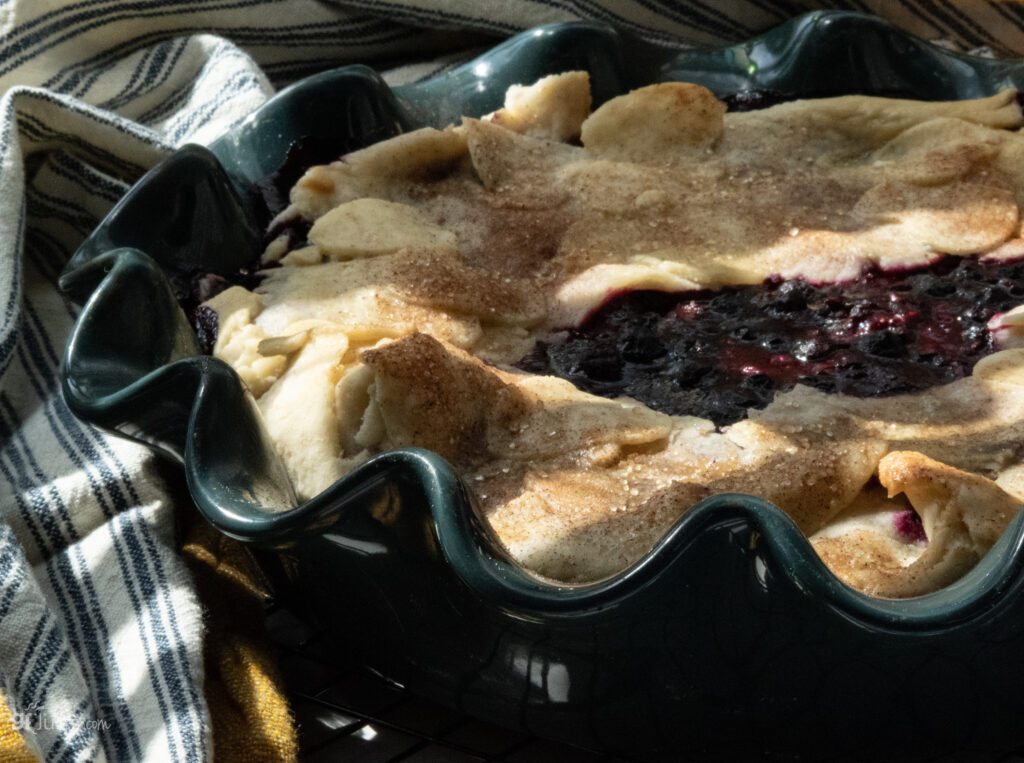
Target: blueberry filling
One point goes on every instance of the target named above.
(909, 527)
(205, 323)
(753, 100)
(198, 288)
(715, 354)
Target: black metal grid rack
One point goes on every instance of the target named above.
(345, 713)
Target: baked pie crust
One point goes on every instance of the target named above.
(437, 259)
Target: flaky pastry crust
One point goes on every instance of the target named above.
(437, 259)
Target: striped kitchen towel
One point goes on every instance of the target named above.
(101, 631)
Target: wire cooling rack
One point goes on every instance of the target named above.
(345, 713)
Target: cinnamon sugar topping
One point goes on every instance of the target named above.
(437, 259)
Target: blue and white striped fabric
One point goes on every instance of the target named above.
(100, 628)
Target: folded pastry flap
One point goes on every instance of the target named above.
(930, 182)
(952, 503)
(963, 515)
(940, 150)
(400, 292)
(659, 123)
(517, 168)
(445, 283)
(448, 401)
(580, 523)
(857, 123)
(557, 468)
(421, 152)
(552, 108)
(973, 424)
(378, 171)
(365, 297)
(370, 227)
(298, 412)
(956, 218)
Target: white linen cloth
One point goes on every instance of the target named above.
(100, 628)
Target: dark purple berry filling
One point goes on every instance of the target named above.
(909, 526)
(201, 287)
(268, 199)
(715, 354)
(752, 100)
(205, 323)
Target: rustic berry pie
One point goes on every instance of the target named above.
(601, 318)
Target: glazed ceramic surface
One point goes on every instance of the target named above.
(729, 638)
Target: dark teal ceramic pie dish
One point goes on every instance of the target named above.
(728, 640)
